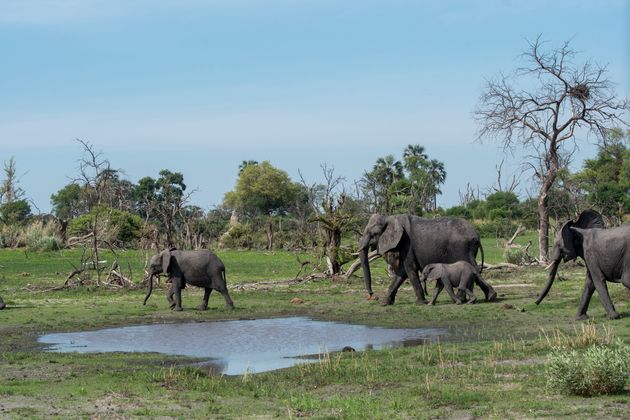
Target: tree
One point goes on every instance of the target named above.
(331, 208)
(606, 178)
(541, 107)
(262, 190)
(411, 186)
(170, 200)
(67, 203)
(13, 208)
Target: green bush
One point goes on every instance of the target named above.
(113, 225)
(515, 256)
(594, 371)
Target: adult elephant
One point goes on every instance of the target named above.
(200, 268)
(606, 253)
(2, 304)
(418, 242)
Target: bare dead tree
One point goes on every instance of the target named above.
(542, 106)
(471, 194)
(329, 205)
(509, 185)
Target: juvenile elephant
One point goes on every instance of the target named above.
(199, 268)
(461, 275)
(418, 242)
(606, 253)
(2, 304)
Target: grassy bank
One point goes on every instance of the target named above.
(490, 365)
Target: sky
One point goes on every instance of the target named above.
(197, 86)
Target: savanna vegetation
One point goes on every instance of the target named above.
(83, 266)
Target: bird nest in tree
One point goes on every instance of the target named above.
(580, 91)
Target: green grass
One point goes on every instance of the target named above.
(492, 365)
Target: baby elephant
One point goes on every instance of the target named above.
(460, 275)
(200, 268)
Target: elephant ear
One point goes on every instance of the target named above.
(167, 258)
(391, 236)
(590, 219)
(569, 239)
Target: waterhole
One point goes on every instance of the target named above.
(236, 347)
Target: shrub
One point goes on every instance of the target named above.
(515, 256)
(113, 225)
(594, 371)
(39, 236)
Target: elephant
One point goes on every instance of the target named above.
(461, 275)
(200, 268)
(417, 242)
(2, 304)
(606, 253)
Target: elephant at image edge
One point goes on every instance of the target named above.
(2, 305)
(199, 268)
(419, 242)
(606, 253)
(461, 275)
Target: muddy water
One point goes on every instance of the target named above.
(234, 347)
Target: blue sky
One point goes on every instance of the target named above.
(198, 86)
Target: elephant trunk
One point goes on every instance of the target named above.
(149, 289)
(552, 276)
(365, 265)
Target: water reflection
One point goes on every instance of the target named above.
(234, 347)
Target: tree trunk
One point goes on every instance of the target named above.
(334, 242)
(547, 182)
(269, 231)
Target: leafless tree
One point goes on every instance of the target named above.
(94, 174)
(9, 187)
(542, 107)
(330, 208)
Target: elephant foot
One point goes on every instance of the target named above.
(432, 303)
(581, 317)
(491, 297)
(471, 301)
(387, 301)
(202, 307)
(614, 315)
(2, 306)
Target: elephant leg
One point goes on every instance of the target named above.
(177, 291)
(415, 282)
(206, 296)
(488, 290)
(449, 289)
(602, 290)
(2, 304)
(169, 296)
(224, 292)
(436, 292)
(471, 297)
(587, 293)
(393, 289)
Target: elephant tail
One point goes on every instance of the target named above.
(149, 289)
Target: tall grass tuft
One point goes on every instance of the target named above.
(40, 236)
(594, 371)
(587, 335)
